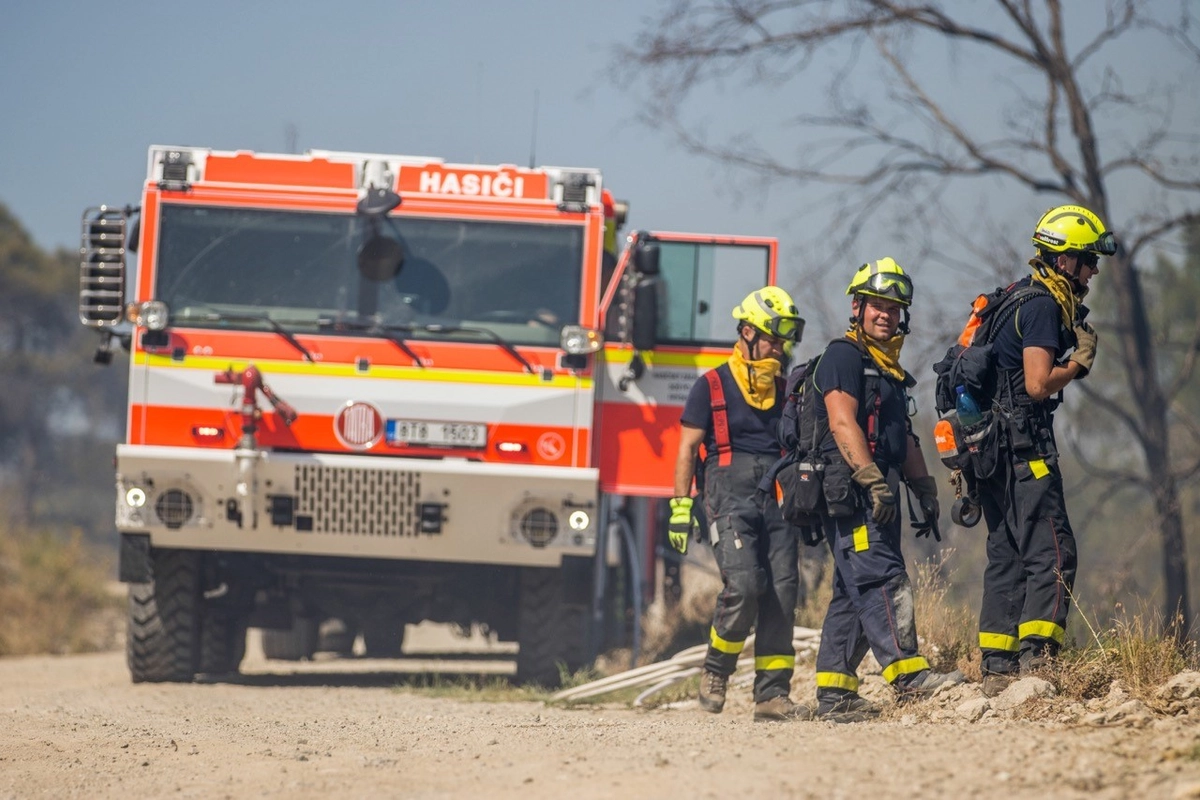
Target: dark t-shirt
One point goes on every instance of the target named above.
(1037, 323)
(750, 430)
(841, 367)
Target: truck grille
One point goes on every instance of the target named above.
(360, 502)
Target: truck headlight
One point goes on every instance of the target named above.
(152, 314)
(577, 340)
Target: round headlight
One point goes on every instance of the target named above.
(135, 497)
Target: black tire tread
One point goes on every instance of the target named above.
(550, 632)
(163, 633)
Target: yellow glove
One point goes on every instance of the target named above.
(883, 501)
(1085, 347)
(682, 523)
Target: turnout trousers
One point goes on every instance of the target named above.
(872, 606)
(1031, 562)
(756, 552)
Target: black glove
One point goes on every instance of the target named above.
(883, 500)
(926, 491)
(682, 523)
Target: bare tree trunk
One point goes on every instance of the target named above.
(1138, 353)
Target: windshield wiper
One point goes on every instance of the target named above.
(217, 316)
(496, 338)
(390, 332)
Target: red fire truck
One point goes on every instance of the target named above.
(385, 389)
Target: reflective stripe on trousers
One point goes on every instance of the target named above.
(1031, 563)
(756, 551)
(872, 607)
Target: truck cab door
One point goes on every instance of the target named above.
(646, 371)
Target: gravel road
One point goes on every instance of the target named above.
(75, 726)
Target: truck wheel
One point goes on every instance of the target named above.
(222, 642)
(337, 636)
(294, 644)
(550, 632)
(383, 636)
(164, 626)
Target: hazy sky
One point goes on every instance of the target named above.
(87, 87)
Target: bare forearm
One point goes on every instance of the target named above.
(852, 444)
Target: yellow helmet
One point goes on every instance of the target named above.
(883, 278)
(1073, 229)
(772, 311)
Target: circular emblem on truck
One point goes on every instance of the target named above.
(551, 446)
(358, 425)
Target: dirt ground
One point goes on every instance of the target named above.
(75, 726)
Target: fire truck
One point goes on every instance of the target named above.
(386, 389)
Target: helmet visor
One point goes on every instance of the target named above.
(888, 284)
(1106, 245)
(789, 328)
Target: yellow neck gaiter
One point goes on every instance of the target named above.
(886, 355)
(1059, 286)
(756, 379)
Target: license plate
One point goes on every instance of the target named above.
(436, 434)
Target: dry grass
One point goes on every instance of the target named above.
(947, 630)
(53, 592)
(1138, 650)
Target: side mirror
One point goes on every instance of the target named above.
(645, 258)
(645, 312)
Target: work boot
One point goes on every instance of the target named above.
(781, 709)
(846, 708)
(930, 682)
(996, 682)
(712, 691)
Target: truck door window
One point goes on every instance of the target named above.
(703, 282)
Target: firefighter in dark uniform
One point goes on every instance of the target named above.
(869, 448)
(734, 411)
(1030, 546)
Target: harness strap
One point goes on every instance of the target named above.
(720, 418)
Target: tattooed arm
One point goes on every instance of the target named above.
(843, 422)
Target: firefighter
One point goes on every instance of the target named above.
(734, 411)
(1030, 546)
(869, 447)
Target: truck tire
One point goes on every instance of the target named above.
(222, 642)
(294, 644)
(162, 644)
(383, 636)
(551, 634)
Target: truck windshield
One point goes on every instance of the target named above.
(519, 280)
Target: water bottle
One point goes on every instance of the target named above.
(969, 414)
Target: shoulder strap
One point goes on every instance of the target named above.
(872, 396)
(720, 418)
(1009, 306)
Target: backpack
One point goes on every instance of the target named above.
(799, 475)
(971, 364)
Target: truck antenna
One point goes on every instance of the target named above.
(533, 138)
